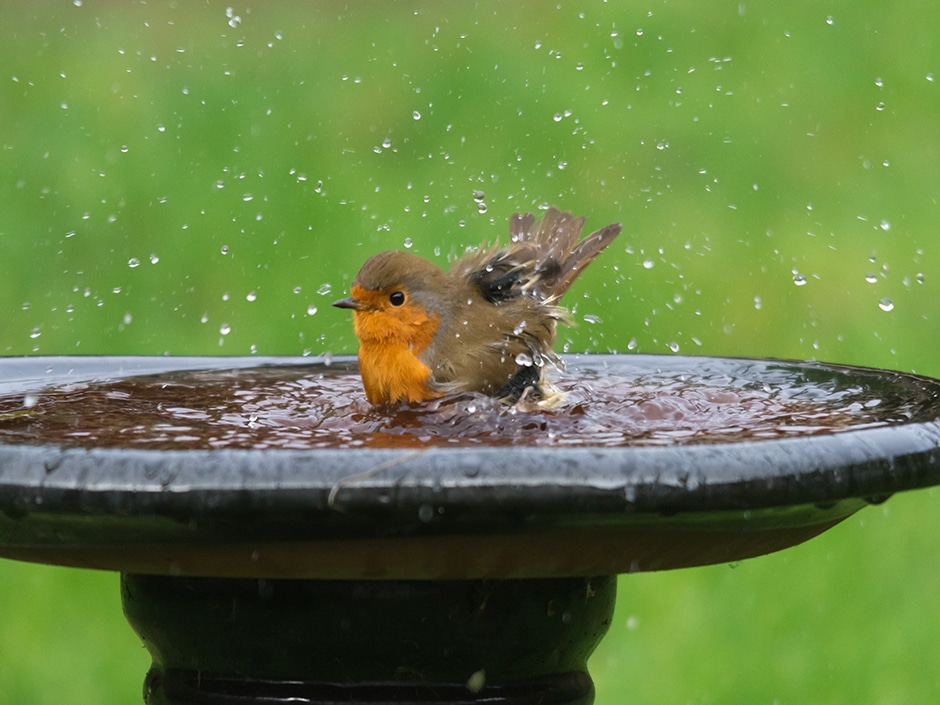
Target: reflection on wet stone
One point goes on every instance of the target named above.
(317, 406)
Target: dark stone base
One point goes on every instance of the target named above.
(264, 642)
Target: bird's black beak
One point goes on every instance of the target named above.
(350, 302)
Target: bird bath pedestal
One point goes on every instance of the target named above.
(263, 563)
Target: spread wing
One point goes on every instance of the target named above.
(542, 259)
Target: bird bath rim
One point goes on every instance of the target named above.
(439, 512)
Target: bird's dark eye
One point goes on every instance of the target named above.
(396, 298)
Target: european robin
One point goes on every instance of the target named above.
(487, 325)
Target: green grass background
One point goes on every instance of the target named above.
(204, 178)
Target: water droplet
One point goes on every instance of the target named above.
(425, 513)
(829, 20)
(591, 318)
(225, 329)
(35, 333)
(799, 279)
(648, 263)
(251, 296)
(674, 346)
(557, 117)
(30, 400)
(133, 262)
(416, 115)
(154, 259)
(311, 310)
(387, 142)
(408, 243)
(871, 277)
(478, 196)
(128, 318)
(886, 304)
(885, 225)
(757, 303)
(224, 249)
(204, 318)
(325, 288)
(247, 197)
(524, 360)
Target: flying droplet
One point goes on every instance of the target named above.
(154, 259)
(311, 310)
(799, 279)
(871, 277)
(133, 262)
(408, 243)
(225, 329)
(886, 304)
(416, 115)
(524, 360)
(251, 296)
(325, 288)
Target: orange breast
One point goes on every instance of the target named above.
(392, 373)
(390, 339)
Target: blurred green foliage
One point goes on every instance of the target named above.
(205, 178)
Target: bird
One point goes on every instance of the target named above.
(486, 325)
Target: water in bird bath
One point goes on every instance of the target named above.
(609, 401)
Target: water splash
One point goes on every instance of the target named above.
(320, 406)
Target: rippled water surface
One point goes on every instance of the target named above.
(320, 406)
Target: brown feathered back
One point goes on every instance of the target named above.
(499, 325)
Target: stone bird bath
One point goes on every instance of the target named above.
(281, 542)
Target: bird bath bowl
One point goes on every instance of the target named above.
(282, 542)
